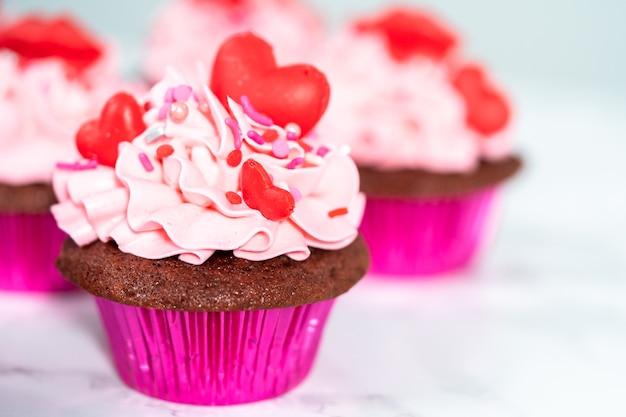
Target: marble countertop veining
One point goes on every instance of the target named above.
(535, 328)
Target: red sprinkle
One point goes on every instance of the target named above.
(270, 135)
(305, 146)
(233, 197)
(164, 151)
(338, 212)
(234, 158)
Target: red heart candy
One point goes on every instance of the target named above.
(121, 120)
(224, 3)
(259, 193)
(245, 65)
(410, 32)
(487, 109)
(36, 37)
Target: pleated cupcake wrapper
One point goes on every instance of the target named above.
(29, 245)
(421, 237)
(214, 358)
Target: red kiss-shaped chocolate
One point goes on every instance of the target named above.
(410, 32)
(36, 37)
(245, 65)
(121, 120)
(259, 193)
(487, 109)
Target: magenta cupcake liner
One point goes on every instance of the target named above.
(29, 245)
(213, 358)
(421, 237)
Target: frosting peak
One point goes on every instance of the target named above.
(202, 178)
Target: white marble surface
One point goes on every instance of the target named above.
(536, 328)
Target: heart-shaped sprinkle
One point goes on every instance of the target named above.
(36, 37)
(259, 193)
(487, 109)
(121, 120)
(410, 33)
(245, 66)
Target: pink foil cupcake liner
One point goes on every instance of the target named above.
(214, 358)
(29, 245)
(425, 236)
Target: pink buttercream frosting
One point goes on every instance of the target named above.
(40, 110)
(188, 31)
(180, 205)
(399, 114)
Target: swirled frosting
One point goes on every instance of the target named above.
(41, 108)
(189, 203)
(400, 114)
(188, 31)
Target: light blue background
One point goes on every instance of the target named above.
(557, 41)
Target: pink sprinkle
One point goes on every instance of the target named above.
(253, 114)
(145, 161)
(182, 92)
(296, 194)
(196, 98)
(280, 148)
(78, 166)
(255, 136)
(295, 162)
(322, 150)
(292, 136)
(169, 95)
(163, 111)
(236, 130)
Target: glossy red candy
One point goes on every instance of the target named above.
(259, 193)
(410, 32)
(245, 65)
(487, 109)
(36, 37)
(121, 120)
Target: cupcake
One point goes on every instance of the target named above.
(53, 75)
(430, 134)
(217, 238)
(188, 31)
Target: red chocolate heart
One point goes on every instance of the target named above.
(259, 193)
(121, 120)
(410, 32)
(36, 37)
(245, 65)
(487, 109)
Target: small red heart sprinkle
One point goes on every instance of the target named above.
(487, 109)
(411, 33)
(245, 66)
(164, 151)
(259, 193)
(233, 197)
(121, 120)
(36, 37)
(234, 158)
(270, 135)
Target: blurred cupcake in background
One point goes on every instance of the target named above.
(53, 76)
(190, 31)
(430, 133)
